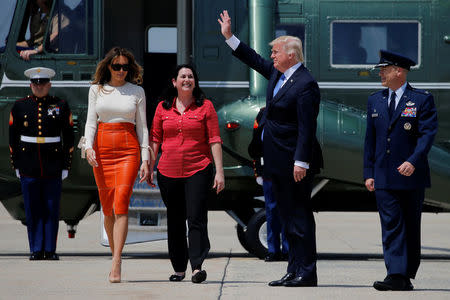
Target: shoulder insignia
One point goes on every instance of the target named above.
(374, 93)
(25, 98)
(424, 92)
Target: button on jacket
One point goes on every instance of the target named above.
(41, 117)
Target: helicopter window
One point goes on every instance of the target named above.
(34, 25)
(6, 15)
(70, 28)
(357, 43)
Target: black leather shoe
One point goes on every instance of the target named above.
(287, 277)
(394, 282)
(176, 277)
(51, 256)
(36, 256)
(273, 257)
(284, 256)
(300, 281)
(199, 277)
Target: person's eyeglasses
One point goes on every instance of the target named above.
(117, 67)
(39, 81)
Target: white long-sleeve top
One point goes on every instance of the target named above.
(125, 103)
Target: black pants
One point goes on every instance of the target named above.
(186, 199)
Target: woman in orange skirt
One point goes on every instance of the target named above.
(117, 145)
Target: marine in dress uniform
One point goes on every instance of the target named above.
(41, 140)
(401, 125)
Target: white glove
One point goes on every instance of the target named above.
(259, 180)
(17, 173)
(64, 174)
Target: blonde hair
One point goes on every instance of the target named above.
(292, 44)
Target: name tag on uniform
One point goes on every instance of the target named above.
(409, 112)
(375, 115)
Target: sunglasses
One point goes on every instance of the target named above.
(117, 67)
(39, 81)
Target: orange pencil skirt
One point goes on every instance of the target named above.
(118, 156)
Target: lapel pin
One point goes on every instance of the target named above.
(409, 103)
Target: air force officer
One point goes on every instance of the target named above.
(401, 125)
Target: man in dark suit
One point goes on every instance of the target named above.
(41, 139)
(292, 154)
(401, 125)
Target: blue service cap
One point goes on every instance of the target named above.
(39, 74)
(388, 58)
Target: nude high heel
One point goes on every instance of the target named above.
(118, 264)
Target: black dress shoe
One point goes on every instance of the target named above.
(51, 256)
(394, 282)
(273, 257)
(300, 281)
(287, 277)
(36, 256)
(199, 277)
(176, 277)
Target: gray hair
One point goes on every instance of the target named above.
(292, 44)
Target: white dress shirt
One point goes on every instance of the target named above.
(398, 94)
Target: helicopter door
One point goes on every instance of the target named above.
(441, 75)
(6, 98)
(159, 61)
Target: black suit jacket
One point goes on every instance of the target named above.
(290, 118)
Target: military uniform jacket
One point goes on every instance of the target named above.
(41, 117)
(408, 136)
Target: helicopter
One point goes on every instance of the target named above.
(341, 41)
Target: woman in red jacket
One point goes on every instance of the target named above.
(186, 127)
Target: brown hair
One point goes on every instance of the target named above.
(102, 74)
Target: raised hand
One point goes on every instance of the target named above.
(225, 24)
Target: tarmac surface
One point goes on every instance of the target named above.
(350, 259)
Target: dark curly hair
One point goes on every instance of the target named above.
(171, 92)
(103, 75)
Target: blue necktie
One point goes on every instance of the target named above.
(278, 86)
(392, 105)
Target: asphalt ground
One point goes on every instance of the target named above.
(350, 259)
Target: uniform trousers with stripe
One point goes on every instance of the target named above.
(186, 199)
(41, 199)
